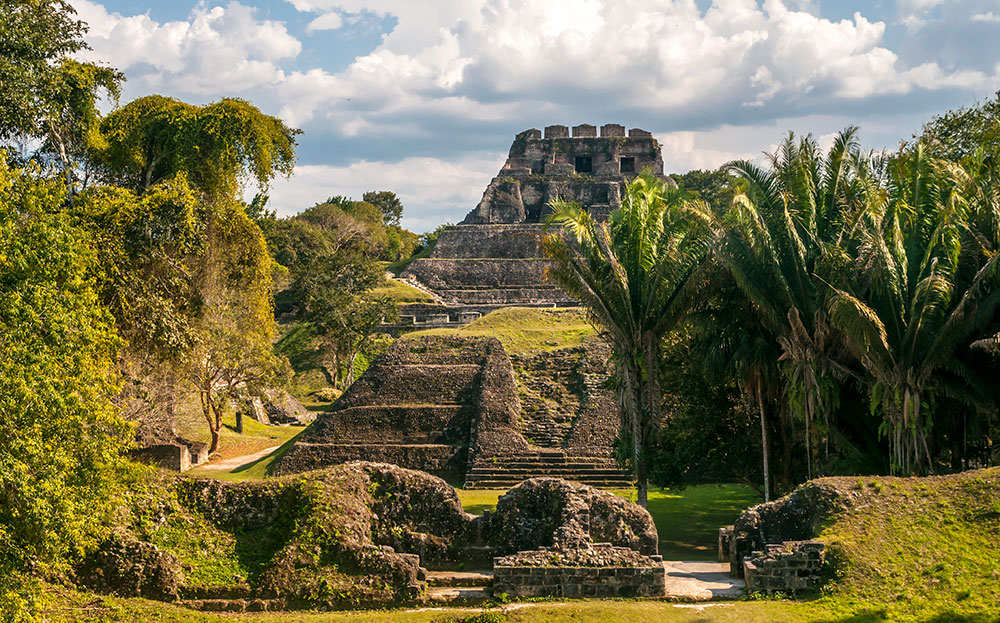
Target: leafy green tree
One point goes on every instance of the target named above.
(218, 146)
(959, 133)
(635, 275)
(34, 36)
(922, 296)
(786, 236)
(61, 459)
(388, 204)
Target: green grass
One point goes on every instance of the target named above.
(524, 330)
(687, 520)
(400, 292)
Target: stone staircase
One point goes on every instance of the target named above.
(504, 472)
(455, 588)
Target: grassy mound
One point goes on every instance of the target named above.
(918, 548)
(524, 330)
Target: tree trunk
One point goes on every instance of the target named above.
(633, 411)
(239, 421)
(763, 442)
(213, 428)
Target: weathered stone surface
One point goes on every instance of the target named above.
(551, 512)
(427, 403)
(787, 567)
(493, 256)
(795, 517)
(125, 566)
(282, 408)
(597, 571)
(441, 404)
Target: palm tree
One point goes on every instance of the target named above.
(634, 274)
(926, 286)
(787, 232)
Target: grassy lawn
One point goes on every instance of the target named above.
(70, 606)
(687, 520)
(258, 469)
(525, 330)
(400, 292)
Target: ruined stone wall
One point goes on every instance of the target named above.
(494, 257)
(585, 168)
(614, 572)
(563, 401)
(786, 567)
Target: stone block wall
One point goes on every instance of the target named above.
(785, 567)
(600, 570)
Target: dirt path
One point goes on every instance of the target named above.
(237, 461)
(701, 581)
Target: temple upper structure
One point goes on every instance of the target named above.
(493, 258)
(584, 167)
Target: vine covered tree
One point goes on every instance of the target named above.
(219, 146)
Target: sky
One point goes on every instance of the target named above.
(423, 97)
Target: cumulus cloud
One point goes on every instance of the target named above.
(667, 58)
(216, 50)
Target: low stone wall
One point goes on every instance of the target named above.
(599, 571)
(786, 567)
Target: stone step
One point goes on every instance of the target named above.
(546, 469)
(459, 578)
(457, 595)
(509, 484)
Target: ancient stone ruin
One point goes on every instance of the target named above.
(493, 258)
(456, 406)
(366, 534)
(772, 547)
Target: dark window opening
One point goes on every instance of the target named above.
(627, 164)
(584, 164)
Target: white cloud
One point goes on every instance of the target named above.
(665, 57)
(989, 17)
(216, 51)
(326, 21)
(440, 190)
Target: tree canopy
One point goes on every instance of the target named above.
(219, 147)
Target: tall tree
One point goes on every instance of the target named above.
(388, 204)
(786, 235)
(34, 36)
(920, 297)
(634, 274)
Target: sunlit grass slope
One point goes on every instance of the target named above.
(524, 330)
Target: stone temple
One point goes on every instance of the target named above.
(463, 406)
(493, 258)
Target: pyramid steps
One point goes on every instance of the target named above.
(508, 471)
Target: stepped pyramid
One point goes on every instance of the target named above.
(457, 407)
(493, 258)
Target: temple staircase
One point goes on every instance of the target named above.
(504, 472)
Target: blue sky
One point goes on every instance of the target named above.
(424, 97)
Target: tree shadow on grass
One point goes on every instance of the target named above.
(882, 615)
